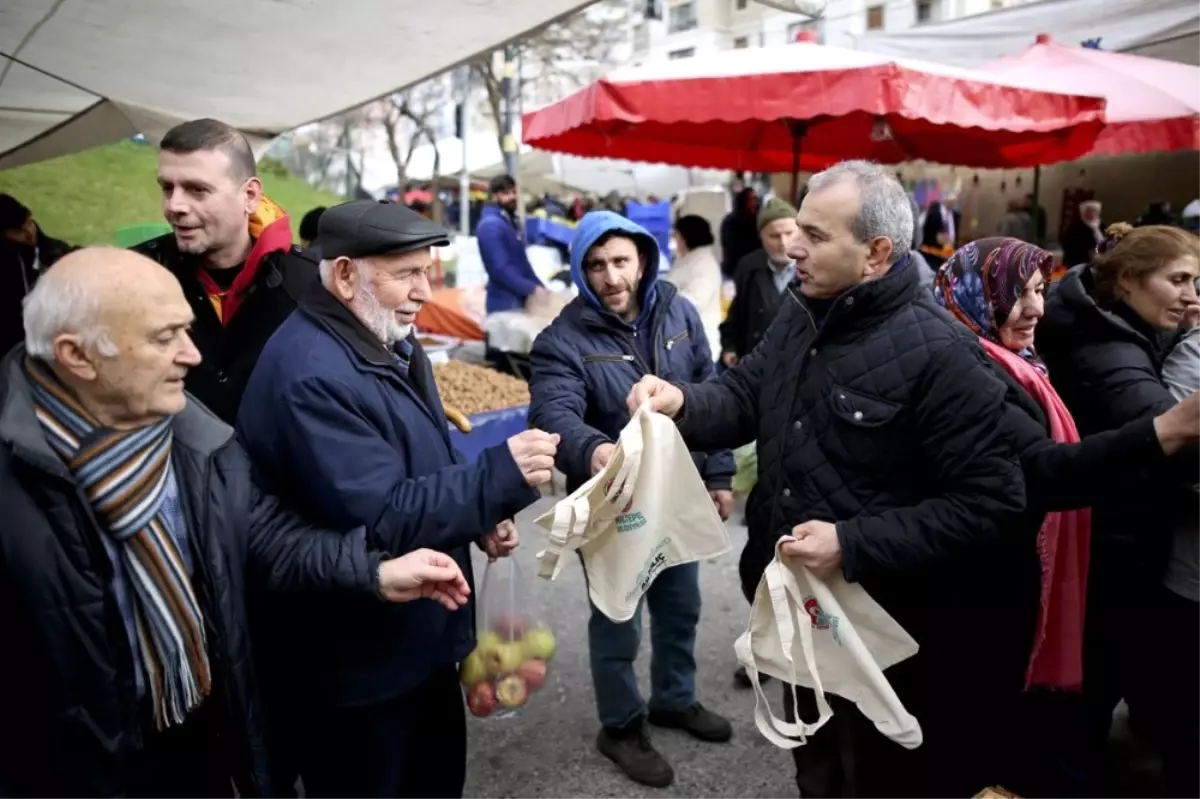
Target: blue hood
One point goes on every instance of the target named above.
(594, 225)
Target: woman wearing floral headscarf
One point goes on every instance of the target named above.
(995, 287)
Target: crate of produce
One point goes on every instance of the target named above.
(496, 405)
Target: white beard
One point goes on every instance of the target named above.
(379, 320)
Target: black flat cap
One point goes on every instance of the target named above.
(363, 228)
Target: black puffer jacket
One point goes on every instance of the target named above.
(20, 268)
(884, 420)
(66, 676)
(1105, 363)
(231, 351)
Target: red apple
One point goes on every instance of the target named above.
(533, 672)
(511, 691)
(481, 699)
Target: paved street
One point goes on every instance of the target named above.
(548, 749)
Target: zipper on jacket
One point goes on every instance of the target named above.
(608, 359)
(637, 355)
(671, 342)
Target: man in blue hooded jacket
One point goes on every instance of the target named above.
(511, 279)
(623, 326)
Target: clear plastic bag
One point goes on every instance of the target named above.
(513, 650)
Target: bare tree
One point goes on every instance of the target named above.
(560, 58)
(406, 119)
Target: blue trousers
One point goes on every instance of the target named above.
(674, 603)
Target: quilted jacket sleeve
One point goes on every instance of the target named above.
(977, 485)
(723, 413)
(558, 402)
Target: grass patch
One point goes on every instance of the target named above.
(83, 197)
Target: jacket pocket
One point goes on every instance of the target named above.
(608, 359)
(861, 410)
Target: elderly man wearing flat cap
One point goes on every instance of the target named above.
(342, 417)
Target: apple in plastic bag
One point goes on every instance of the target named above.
(538, 644)
(533, 672)
(503, 659)
(473, 670)
(481, 699)
(509, 627)
(511, 691)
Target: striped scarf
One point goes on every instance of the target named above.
(123, 474)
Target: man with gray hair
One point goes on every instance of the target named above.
(879, 453)
(131, 535)
(342, 417)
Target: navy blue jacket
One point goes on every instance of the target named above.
(585, 363)
(510, 276)
(336, 430)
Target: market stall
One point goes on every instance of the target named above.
(485, 407)
(806, 106)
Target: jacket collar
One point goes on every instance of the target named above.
(325, 309)
(664, 293)
(1073, 293)
(866, 304)
(195, 428)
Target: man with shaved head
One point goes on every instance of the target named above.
(231, 249)
(131, 533)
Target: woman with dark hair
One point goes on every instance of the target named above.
(1109, 326)
(697, 274)
(995, 287)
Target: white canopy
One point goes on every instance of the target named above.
(77, 73)
(1158, 28)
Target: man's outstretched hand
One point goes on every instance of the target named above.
(423, 574)
(663, 397)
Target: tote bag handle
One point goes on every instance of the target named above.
(784, 734)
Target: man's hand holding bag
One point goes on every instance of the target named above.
(646, 510)
(829, 636)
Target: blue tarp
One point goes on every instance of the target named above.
(656, 218)
(546, 231)
(489, 429)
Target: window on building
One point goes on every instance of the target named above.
(740, 5)
(816, 26)
(686, 52)
(653, 9)
(741, 43)
(874, 18)
(928, 11)
(681, 17)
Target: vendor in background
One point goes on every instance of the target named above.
(511, 279)
(697, 273)
(25, 253)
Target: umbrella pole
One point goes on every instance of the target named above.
(797, 131)
(1038, 235)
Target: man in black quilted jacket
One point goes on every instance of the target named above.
(880, 453)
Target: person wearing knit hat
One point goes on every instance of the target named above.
(759, 281)
(773, 210)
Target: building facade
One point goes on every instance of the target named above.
(671, 29)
